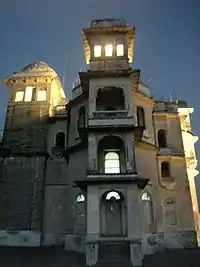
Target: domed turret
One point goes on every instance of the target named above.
(38, 68)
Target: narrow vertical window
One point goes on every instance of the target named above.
(97, 51)
(120, 50)
(165, 169)
(60, 140)
(161, 138)
(141, 117)
(81, 118)
(108, 50)
(28, 94)
(19, 97)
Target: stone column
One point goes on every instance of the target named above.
(93, 213)
(134, 224)
(93, 225)
(92, 100)
(92, 254)
(92, 152)
(130, 152)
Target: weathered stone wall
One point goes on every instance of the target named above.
(21, 193)
(26, 128)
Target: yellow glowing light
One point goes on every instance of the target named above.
(42, 95)
(108, 50)
(28, 94)
(97, 51)
(120, 50)
(19, 96)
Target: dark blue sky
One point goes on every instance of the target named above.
(167, 41)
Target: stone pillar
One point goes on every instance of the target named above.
(134, 225)
(92, 99)
(93, 213)
(136, 254)
(93, 225)
(92, 152)
(130, 152)
(92, 254)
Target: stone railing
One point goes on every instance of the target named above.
(60, 111)
(111, 114)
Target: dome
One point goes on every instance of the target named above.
(38, 68)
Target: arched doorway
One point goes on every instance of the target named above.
(113, 215)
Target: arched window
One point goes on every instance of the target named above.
(80, 198)
(112, 194)
(169, 212)
(112, 162)
(60, 140)
(147, 211)
(141, 116)
(161, 138)
(165, 169)
(81, 117)
(79, 215)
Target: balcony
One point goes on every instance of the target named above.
(60, 111)
(97, 178)
(111, 118)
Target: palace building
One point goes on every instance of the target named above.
(109, 173)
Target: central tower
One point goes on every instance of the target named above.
(112, 184)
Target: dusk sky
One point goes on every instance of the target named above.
(167, 48)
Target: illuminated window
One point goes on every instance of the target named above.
(112, 164)
(42, 95)
(28, 94)
(19, 96)
(80, 198)
(108, 50)
(97, 51)
(120, 50)
(113, 194)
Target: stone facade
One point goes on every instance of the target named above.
(112, 166)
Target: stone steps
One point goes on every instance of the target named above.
(114, 254)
